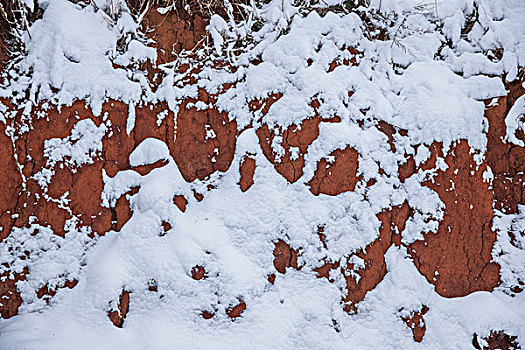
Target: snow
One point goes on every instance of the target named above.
(130, 122)
(217, 28)
(510, 252)
(435, 93)
(137, 52)
(515, 121)
(78, 148)
(69, 50)
(149, 151)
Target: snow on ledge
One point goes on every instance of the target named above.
(149, 151)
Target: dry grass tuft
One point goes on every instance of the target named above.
(15, 19)
(204, 8)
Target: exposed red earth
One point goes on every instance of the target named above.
(496, 340)
(118, 316)
(247, 170)
(416, 323)
(337, 177)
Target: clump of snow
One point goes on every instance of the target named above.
(78, 148)
(509, 250)
(149, 151)
(130, 122)
(136, 52)
(217, 28)
(515, 121)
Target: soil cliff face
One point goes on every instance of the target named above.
(456, 259)
(204, 141)
(10, 181)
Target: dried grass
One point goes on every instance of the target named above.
(15, 20)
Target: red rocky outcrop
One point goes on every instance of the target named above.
(392, 224)
(83, 185)
(236, 311)
(198, 273)
(10, 182)
(180, 201)
(496, 340)
(294, 136)
(284, 257)
(46, 292)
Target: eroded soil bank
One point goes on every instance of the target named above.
(457, 258)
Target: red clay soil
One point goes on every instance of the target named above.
(4, 46)
(174, 32)
(171, 34)
(147, 168)
(118, 316)
(153, 286)
(284, 257)
(457, 259)
(392, 224)
(416, 323)
(459, 251)
(180, 201)
(507, 161)
(198, 273)
(165, 227)
(10, 299)
(207, 314)
(84, 185)
(247, 170)
(298, 136)
(352, 61)
(196, 155)
(10, 183)
(262, 106)
(389, 131)
(204, 142)
(198, 196)
(236, 311)
(322, 235)
(409, 168)
(118, 145)
(294, 136)
(324, 270)
(45, 291)
(497, 340)
(336, 177)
